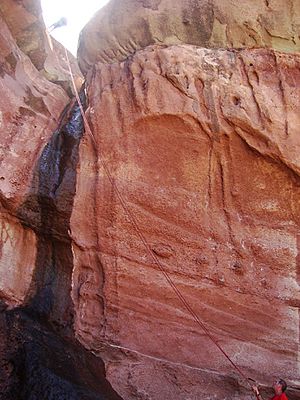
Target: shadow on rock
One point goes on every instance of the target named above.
(39, 356)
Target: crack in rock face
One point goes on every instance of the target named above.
(40, 357)
(193, 108)
(41, 131)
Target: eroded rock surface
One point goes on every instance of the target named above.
(31, 107)
(125, 26)
(25, 22)
(41, 127)
(203, 145)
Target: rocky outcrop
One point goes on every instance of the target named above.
(41, 127)
(203, 146)
(30, 111)
(25, 22)
(125, 26)
(192, 160)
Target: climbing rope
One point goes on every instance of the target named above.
(143, 239)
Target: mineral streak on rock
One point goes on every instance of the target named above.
(40, 133)
(30, 109)
(36, 363)
(204, 146)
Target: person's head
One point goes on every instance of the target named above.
(279, 386)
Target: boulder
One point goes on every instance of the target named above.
(124, 26)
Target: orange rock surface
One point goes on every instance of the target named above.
(30, 109)
(203, 146)
(193, 159)
(40, 131)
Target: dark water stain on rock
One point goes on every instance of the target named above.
(47, 211)
(198, 19)
(42, 358)
(38, 364)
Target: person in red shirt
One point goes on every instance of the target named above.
(279, 389)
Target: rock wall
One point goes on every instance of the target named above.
(25, 22)
(203, 146)
(41, 127)
(198, 135)
(124, 26)
(31, 107)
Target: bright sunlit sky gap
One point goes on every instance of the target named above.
(77, 12)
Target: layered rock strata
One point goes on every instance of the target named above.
(203, 146)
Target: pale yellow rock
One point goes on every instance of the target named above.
(124, 26)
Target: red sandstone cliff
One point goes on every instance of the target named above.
(40, 132)
(203, 145)
(30, 110)
(199, 131)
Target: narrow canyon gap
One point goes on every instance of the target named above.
(193, 108)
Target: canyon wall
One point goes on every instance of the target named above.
(190, 164)
(31, 107)
(40, 131)
(201, 142)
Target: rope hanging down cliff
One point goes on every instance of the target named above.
(140, 234)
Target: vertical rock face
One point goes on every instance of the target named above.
(192, 164)
(40, 132)
(203, 147)
(30, 111)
